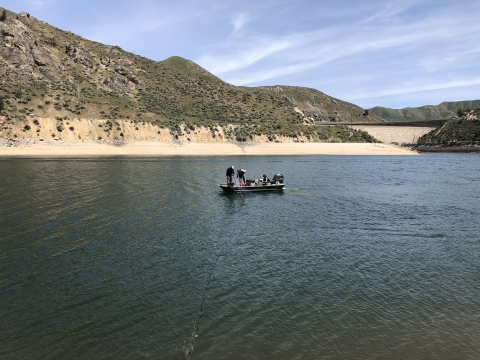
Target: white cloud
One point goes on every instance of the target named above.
(296, 53)
(252, 53)
(391, 9)
(239, 21)
(434, 64)
(419, 87)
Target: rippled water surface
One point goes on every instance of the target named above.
(359, 258)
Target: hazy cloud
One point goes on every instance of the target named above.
(239, 21)
(419, 87)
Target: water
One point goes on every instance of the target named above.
(359, 258)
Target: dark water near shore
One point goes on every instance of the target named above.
(359, 258)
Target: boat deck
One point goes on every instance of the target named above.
(252, 188)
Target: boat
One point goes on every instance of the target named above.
(257, 185)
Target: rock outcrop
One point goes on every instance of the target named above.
(78, 55)
(117, 83)
(20, 48)
(127, 73)
(107, 61)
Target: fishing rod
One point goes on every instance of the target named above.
(197, 326)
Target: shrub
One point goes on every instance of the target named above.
(3, 16)
(27, 127)
(51, 41)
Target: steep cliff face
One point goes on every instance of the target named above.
(22, 49)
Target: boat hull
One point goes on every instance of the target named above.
(256, 188)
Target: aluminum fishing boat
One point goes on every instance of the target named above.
(255, 185)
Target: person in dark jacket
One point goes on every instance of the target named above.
(230, 173)
(241, 176)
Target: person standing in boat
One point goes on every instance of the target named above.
(230, 173)
(241, 176)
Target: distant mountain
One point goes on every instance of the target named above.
(57, 74)
(443, 111)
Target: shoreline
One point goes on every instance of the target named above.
(466, 149)
(63, 148)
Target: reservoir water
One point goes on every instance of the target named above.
(359, 258)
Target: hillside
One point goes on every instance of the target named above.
(58, 75)
(443, 111)
(461, 131)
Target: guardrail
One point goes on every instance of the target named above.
(423, 123)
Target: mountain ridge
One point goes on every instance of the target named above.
(56, 74)
(442, 111)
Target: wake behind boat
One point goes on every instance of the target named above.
(255, 185)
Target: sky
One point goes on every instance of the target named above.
(394, 54)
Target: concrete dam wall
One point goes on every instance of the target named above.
(395, 134)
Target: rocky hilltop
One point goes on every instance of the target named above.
(443, 111)
(48, 73)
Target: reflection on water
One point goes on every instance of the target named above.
(360, 257)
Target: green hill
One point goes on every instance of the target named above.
(443, 111)
(459, 131)
(190, 68)
(57, 74)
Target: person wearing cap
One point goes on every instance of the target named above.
(241, 176)
(265, 179)
(230, 173)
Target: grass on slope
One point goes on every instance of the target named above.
(169, 93)
(455, 132)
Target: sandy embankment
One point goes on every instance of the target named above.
(64, 148)
(41, 137)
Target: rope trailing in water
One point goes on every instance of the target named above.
(196, 327)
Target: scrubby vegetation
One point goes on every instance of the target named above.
(97, 81)
(461, 131)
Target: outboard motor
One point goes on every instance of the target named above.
(277, 177)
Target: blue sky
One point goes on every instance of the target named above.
(378, 52)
